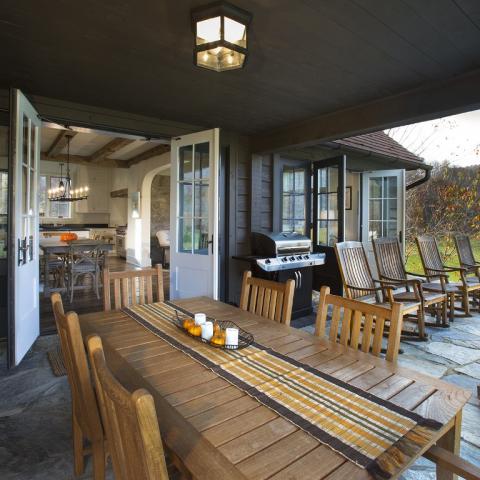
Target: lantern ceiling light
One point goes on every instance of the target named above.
(220, 30)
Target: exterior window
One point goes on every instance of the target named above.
(293, 200)
(49, 209)
(382, 207)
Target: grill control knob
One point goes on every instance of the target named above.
(268, 261)
(299, 257)
(306, 257)
(292, 259)
(284, 259)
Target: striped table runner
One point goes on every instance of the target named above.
(374, 433)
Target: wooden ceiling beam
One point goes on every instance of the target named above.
(157, 150)
(111, 147)
(80, 160)
(60, 142)
(455, 95)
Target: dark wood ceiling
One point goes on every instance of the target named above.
(307, 57)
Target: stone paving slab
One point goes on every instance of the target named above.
(472, 370)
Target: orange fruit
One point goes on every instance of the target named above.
(196, 330)
(188, 323)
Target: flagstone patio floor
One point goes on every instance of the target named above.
(35, 434)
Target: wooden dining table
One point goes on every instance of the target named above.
(52, 248)
(220, 432)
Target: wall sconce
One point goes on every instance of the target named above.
(220, 30)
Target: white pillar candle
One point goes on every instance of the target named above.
(207, 331)
(231, 337)
(200, 318)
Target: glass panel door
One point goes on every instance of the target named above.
(328, 202)
(23, 223)
(194, 215)
(328, 219)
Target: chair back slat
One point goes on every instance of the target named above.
(388, 257)
(346, 326)
(273, 300)
(132, 287)
(354, 269)
(429, 254)
(464, 250)
(361, 324)
(130, 422)
(75, 358)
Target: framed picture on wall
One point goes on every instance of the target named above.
(348, 198)
(135, 204)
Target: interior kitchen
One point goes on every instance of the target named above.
(92, 186)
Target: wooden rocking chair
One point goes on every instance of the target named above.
(390, 266)
(359, 284)
(436, 270)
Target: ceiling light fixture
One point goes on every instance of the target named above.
(220, 31)
(64, 192)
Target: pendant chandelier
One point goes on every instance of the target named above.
(64, 192)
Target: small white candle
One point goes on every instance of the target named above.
(200, 318)
(207, 331)
(231, 337)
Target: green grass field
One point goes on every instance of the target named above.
(414, 263)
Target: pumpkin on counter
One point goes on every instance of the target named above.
(68, 237)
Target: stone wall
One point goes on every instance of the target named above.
(160, 204)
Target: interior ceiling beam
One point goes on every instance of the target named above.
(80, 160)
(111, 147)
(454, 95)
(60, 142)
(158, 150)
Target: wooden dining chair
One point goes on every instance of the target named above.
(391, 268)
(359, 284)
(269, 299)
(132, 287)
(130, 421)
(437, 275)
(358, 324)
(86, 423)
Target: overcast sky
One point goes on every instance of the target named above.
(455, 139)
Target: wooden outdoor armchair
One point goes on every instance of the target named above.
(361, 324)
(359, 284)
(391, 268)
(130, 421)
(436, 270)
(86, 422)
(466, 257)
(273, 300)
(131, 287)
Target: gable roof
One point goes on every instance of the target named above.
(379, 143)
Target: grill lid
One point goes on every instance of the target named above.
(278, 244)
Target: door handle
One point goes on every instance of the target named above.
(300, 278)
(30, 247)
(22, 251)
(210, 242)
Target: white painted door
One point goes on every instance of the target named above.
(194, 215)
(24, 322)
(383, 208)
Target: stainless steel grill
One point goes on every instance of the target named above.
(284, 251)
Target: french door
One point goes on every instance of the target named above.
(383, 215)
(328, 221)
(23, 226)
(194, 215)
